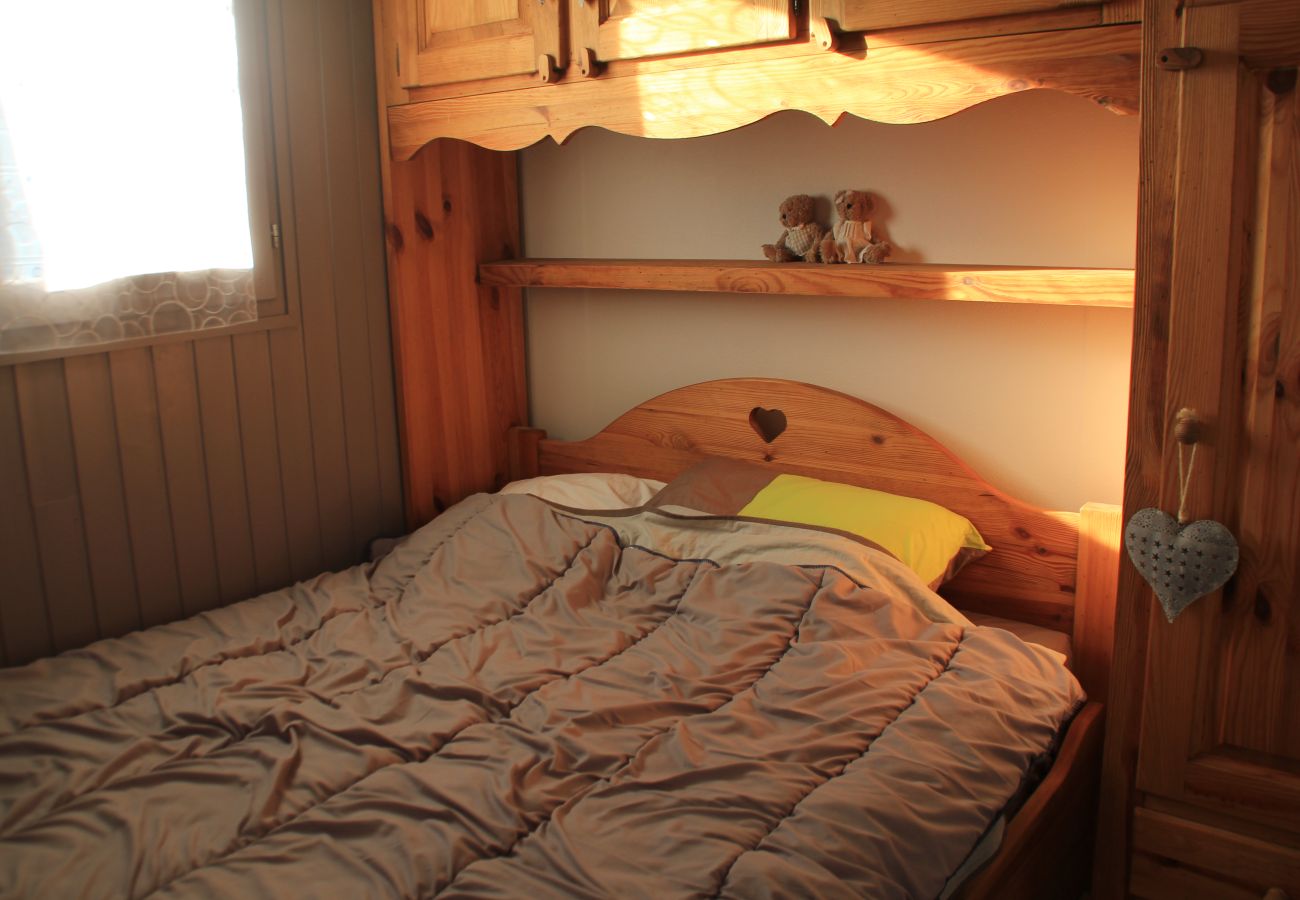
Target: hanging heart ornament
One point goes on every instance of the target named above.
(1182, 563)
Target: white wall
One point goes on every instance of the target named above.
(1033, 397)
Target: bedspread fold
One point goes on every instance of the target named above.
(521, 700)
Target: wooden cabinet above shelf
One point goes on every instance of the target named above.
(989, 284)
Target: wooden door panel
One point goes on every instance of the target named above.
(465, 40)
(875, 15)
(632, 29)
(1220, 728)
(441, 17)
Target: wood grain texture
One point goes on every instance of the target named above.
(1100, 531)
(473, 39)
(458, 345)
(898, 84)
(1145, 452)
(632, 29)
(868, 15)
(1237, 859)
(989, 284)
(1029, 576)
(1045, 850)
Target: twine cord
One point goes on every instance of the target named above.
(1184, 481)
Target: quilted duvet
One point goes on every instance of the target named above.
(524, 701)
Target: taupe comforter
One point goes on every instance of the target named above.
(524, 702)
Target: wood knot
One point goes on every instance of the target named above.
(1263, 609)
(1023, 533)
(446, 204)
(1281, 81)
(423, 225)
(878, 439)
(395, 239)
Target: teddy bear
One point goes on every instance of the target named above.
(802, 234)
(851, 240)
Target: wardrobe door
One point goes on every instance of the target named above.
(1220, 728)
(877, 15)
(448, 41)
(606, 30)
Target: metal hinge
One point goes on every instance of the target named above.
(275, 235)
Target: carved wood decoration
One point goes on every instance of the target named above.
(884, 83)
(1031, 574)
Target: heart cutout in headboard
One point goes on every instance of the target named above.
(767, 423)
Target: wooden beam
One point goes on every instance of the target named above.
(458, 346)
(987, 284)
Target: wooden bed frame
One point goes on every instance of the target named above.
(1057, 569)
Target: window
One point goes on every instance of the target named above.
(136, 170)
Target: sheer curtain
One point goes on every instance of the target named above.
(123, 203)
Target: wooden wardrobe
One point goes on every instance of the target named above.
(1201, 788)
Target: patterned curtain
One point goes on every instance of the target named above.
(123, 201)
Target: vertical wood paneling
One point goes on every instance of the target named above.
(297, 464)
(255, 386)
(103, 500)
(187, 481)
(56, 503)
(224, 450)
(144, 476)
(142, 485)
(22, 602)
(376, 300)
(346, 253)
(320, 326)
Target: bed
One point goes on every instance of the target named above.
(523, 698)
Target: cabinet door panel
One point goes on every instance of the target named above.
(631, 29)
(464, 40)
(874, 15)
(1220, 727)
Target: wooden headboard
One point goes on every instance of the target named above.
(1056, 569)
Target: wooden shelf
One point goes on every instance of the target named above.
(988, 284)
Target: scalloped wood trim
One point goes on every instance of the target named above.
(894, 84)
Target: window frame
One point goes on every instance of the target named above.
(264, 103)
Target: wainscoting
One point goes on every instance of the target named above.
(141, 485)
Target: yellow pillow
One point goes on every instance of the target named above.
(932, 541)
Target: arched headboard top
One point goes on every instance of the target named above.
(804, 429)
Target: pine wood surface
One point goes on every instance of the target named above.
(1031, 575)
(801, 46)
(898, 84)
(1202, 710)
(631, 29)
(1238, 861)
(998, 284)
(458, 345)
(868, 15)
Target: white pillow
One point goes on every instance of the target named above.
(589, 490)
